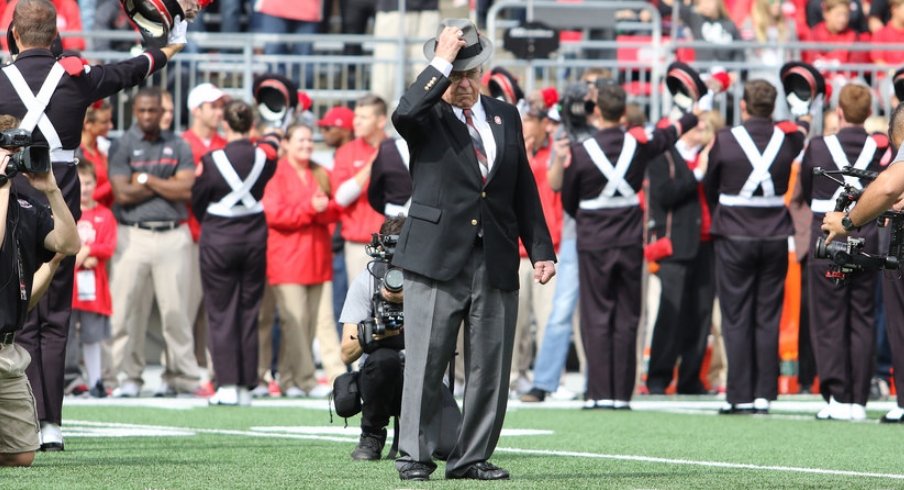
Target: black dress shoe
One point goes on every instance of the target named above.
(481, 471)
(415, 471)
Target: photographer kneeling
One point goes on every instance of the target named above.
(373, 321)
(30, 235)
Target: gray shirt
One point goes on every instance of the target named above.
(162, 158)
(359, 300)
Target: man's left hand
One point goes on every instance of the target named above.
(44, 181)
(832, 224)
(544, 271)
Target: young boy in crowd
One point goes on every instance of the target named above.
(91, 304)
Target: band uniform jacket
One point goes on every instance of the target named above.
(451, 204)
(729, 170)
(390, 181)
(600, 229)
(679, 195)
(820, 192)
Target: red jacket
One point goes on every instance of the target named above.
(549, 199)
(97, 229)
(306, 10)
(840, 53)
(299, 248)
(103, 193)
(198, 150)
(359, 220)
(69, 19)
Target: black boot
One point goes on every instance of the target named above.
(370, 446)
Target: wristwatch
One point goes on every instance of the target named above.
(142, 178)
(846, 223)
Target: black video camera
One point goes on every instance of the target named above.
(848, 257)
(387, 315)
(575, 107)
(31, 158)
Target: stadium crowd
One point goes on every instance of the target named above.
(148, 199)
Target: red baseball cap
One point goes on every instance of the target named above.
(339, 116)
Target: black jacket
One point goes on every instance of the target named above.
(678, 194)
(450, 203)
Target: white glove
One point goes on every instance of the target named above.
(177, 33)
(705, 103)
(798, 107)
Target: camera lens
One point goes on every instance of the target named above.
(393, 280)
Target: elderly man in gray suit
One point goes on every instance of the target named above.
(473, 197)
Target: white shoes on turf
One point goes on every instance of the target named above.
(231, 396)
(894, 416)
(51, 437)
(128, 389)
(836, 410)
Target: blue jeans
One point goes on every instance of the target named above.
(277, 25)
(557, 338)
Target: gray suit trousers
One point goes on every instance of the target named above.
(434, 311)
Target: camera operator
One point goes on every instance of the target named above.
(50, 92)
(380, 377)
(30, 234)
(882, 194)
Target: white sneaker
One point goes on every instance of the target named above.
(128, 389)
(835, 410)
(858, 412)
(260, 391)
(164, 390)
(294, 392)
(320, 391)
(563, 394)
(761, 404)
(227, 395)
(894, 416)
(245, 397)
(51, 437)
(621, 405)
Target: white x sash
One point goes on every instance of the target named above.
(840, 160)
(760, 176)
(36, 104)
(228, 206)
(615, 175)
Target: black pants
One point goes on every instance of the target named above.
(893, 291)
(806, 363)
(683, 322)
(843, 336)
(380, 382)
(610, 311)
(47, 326)
(751, 286)
(233, 277)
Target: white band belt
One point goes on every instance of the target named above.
(603, 202)
(753, 201)
(239, 202)
(62, 156)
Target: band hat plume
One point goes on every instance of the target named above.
(476, 51)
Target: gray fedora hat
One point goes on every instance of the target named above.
(476, 51)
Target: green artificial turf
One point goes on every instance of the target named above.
(250, 459)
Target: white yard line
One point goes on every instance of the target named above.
(260, 432)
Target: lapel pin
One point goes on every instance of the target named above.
(497, 120)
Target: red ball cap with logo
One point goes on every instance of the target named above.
(339, 117)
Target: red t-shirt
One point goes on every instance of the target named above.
(198, 149)
(97, 230)
(359, 220)
(888, 35)
(549, 199)
(299, 245)
(103, 193)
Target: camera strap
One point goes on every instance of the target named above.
(229, 206)
(37, 104)
(615, 175)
